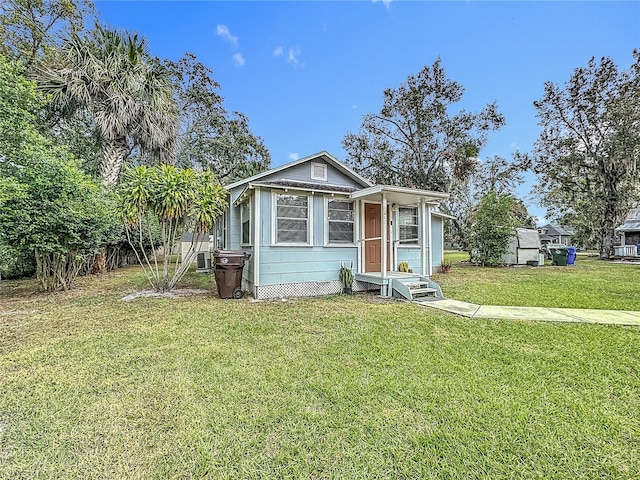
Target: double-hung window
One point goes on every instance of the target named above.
(408, 223)
(292, 218)
(245, 218)
(340, 220)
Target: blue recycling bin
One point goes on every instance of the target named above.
(571, 255)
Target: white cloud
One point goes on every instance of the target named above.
(279, 51)
(224, 32)
(387, 3)
(238, 60)
(294, 156)
(294, 54)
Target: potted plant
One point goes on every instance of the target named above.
(346, 278)
(445, 266)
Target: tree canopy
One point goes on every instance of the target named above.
(29, 28)
(208, 136)
(417, 140)
(49, 208)
(586, 157)
(129, 95)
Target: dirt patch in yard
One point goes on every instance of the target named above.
(178, 293)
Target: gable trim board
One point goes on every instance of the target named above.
(292, 268)
(325, 156)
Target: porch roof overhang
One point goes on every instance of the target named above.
(629, 227)
(286, 185)
(398, 195)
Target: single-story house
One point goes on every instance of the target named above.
(302, 220)
(554, 234)
(629, 235)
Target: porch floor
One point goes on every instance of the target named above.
(377, 279)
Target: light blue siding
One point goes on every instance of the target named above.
(412, 256)
(303, 264)
(302, 173)
(437, 225)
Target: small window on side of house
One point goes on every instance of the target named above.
(245, 218)
(408, 226)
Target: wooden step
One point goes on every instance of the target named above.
(421, 291)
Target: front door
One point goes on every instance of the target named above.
(373, 230)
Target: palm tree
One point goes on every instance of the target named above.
(128, 93)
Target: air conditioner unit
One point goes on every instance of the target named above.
(203, 262)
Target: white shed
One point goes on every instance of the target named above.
(201, 243)
(524, 246)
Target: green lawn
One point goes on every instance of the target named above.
(337, 387)
(590, 283)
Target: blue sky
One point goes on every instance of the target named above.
(306, 72)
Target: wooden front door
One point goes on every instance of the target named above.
(372, 229)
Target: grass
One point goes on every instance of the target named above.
(336, 387)
(590, 283)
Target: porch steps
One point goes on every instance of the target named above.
(416, 288)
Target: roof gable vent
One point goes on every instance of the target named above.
(319, 171)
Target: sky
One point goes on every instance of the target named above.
(306, 72)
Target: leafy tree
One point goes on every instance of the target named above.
(179, 201)
(496, 174)
(210, 138)
(492, 224)
(416, 140)
(129, 95)
(58, 214)
(49, 209)
(28, 28)
(586, 156)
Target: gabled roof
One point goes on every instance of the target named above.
(632, 222)
(555, 230)
(324, 155)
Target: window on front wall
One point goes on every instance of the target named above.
(340, 218)
(245, 218)
(408, 223)
(292, 218)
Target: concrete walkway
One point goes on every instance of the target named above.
(471, 310)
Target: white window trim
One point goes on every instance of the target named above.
(326, 222)
(403, 244)
(274, 219)
(250, 243)
(324, 169)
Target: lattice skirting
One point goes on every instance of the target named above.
(308, 289)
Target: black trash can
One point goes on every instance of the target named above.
(228, 272)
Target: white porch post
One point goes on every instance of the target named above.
(424, 244)
(384, 235)
(256, 243)
(383, 243)
(430, 260)
(360, 238)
